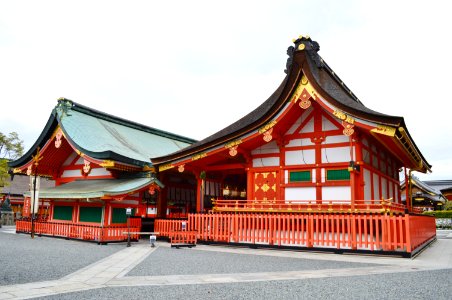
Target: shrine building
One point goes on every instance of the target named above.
(311, 167)
(100, 165)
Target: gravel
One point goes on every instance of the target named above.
(412, 285)
(183, 261)
(24, 260)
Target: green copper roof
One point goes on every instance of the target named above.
(106, 137)
(82, 189)
(96, 135)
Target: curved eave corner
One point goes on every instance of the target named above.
(51, 125)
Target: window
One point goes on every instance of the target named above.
(342, 174)
(62, 213)
(119, 215)
(300, 176)
(90, 214)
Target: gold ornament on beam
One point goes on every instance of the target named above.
(233, 151)
(29, 170)
(86, 167)
(305, 97)
(268, 135)
(58, 137)
(348, 128)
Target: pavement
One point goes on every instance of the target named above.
(224, 272)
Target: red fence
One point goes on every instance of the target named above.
(375, 232)
(308, 206)
(101, 234)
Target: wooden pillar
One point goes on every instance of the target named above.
(406, 188)
(352, 170)
(162, 201)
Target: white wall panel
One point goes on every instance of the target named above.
(72, 173)
(300, 193)
(271, 147)
(376, 187)
(367, 185)
(384, 188)
(308, 127)
(327, 125)
(336, 193)
(337, 139)
(266, 162)
(339, 154)
(299, 143)
(300, 157)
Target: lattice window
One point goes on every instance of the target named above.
(342, 174)
(300, 176)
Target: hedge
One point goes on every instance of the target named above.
(440, 214)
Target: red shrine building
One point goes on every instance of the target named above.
(311, 167)
(100, 165)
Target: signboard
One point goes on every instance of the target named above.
(128, 211)
(34, 196)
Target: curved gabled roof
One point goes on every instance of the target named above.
(303, 60)
(106, 137)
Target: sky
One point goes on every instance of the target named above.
(194, 67)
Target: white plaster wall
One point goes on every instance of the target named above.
(71, 173)
(391, 189)
(271, 147)
(339, 154)
(376, 187)
(300, 157)
(337, 139)
(313, 175)
(80, 161)
(300, 142)
(327, 125)
(266, 162)
(384, 188)
(309, 127)
(286, 176)
(336, 193)
(367, 185)
(300, 193)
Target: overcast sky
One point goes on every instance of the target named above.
(194, 67)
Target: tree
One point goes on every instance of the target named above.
(11, 147)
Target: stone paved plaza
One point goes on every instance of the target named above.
(51, 268)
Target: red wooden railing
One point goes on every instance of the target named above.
(374, 232)
(101, 234)
(165, 226)
(308, 206)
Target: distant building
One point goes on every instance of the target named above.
(18, 187)
(425, 195)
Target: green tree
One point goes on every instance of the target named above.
(448, 205)
(11, 147)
